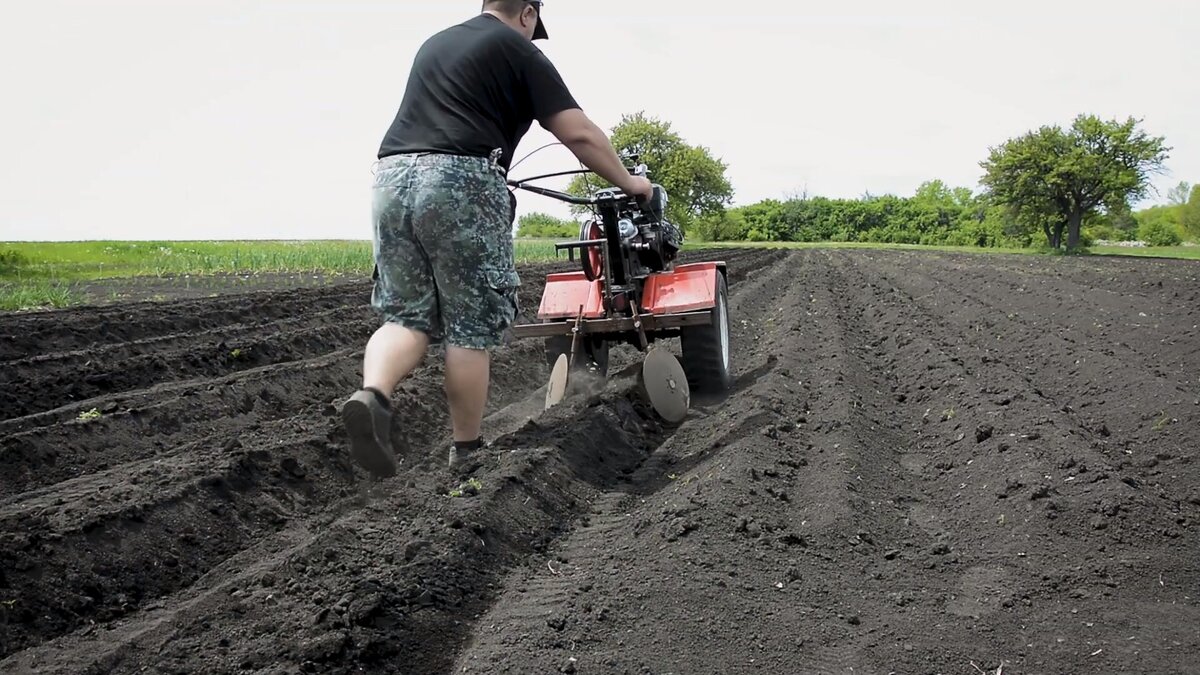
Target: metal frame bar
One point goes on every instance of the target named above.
(649, 323)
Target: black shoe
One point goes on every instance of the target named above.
(466, 457)
(369, 424)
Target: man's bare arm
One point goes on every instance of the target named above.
(590, 144)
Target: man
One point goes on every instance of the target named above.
(443, 216)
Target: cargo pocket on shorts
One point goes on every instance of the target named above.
(504, 282)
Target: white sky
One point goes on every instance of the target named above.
(219, 119)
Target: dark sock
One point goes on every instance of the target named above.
(379, 396)
(468, 445)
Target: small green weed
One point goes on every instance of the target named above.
(468, 489)
(92, 414)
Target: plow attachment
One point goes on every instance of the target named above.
(581, 317)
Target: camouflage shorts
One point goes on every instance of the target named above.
(444, 248)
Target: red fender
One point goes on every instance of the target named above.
(687, 288)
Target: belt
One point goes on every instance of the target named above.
(491, 162)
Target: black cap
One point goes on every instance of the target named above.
(539, 32)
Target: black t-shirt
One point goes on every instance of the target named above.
(475, 87)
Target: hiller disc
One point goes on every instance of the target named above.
(666, 384)
(556, 388)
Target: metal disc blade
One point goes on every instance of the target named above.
(557, 387)
(666, 384)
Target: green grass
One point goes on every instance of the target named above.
(40, 274)
(1180, 252)
(74, 261)
(19, 295)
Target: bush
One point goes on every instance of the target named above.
(1101, 233)
(11, 261)
(1159, 233)
(545, 226)
(756, 234)
(725, 226)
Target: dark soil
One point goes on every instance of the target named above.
(930, 463)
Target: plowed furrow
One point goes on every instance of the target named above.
(54, 385)
(1093, 317)
(928, 463)
(744, 496)
(1041, 481)
(99, 547)
(27, 335)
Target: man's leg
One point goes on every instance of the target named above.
(406, 296)
(467, 374)
(465, 228)
(392, 353)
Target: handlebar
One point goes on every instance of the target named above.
(523, 184)
(554, 194)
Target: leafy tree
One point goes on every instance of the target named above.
(545, 225)
(1055, 178)
(695, 181)
(1122, 219)
(1189, 215)
(1178, 195)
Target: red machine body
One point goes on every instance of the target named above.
(687, 288)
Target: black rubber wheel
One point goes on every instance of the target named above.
(594, 354)
(706, 350)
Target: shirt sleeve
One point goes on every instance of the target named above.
(548, 94)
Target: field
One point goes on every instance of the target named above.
(60, 274)
(37, 275)
(932, 462)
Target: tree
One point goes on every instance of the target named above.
(1189, 215)
(1178, 195)
(1055, 178)
(695, 181)
(545, 225)
(1122, 219)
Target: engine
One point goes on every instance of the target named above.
(648, 240)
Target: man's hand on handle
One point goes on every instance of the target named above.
(592, 147)
(638, 187)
